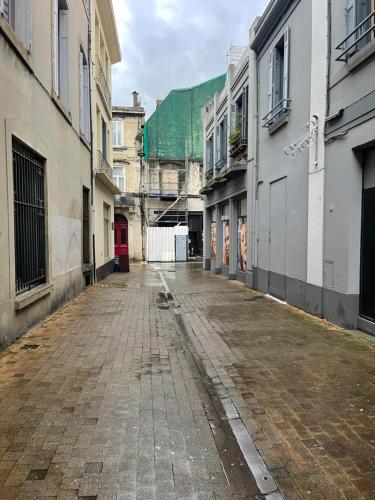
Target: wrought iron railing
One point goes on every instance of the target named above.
(281, 108)
(209, 174)
(221, 163)
(103, 167)
(358, 38)
(29, 218)
(102, 81)
(239, 146)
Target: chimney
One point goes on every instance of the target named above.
(158, 102)
(135, 99)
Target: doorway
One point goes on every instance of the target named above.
(121, 235)
(367, 293)
(277, 238)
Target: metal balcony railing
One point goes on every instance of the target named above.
(276, 112)
(221, 163)
(101, 80)
(209, 173)
(358, 38)
(104, 167)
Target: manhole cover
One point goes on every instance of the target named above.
(30, 346)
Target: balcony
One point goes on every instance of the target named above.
(360, 37)
(102, 85)
(238, 147)
(104, 173)
(220, 164)
(124, 200)
(278, 113)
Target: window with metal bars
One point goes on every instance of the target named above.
(29, 218)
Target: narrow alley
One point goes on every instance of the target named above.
(171, 383)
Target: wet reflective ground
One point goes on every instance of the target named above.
(304, 389)
(105, 401)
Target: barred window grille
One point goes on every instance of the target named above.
(29, 218)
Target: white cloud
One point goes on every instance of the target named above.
(169, 44)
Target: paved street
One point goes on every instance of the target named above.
(121, 394)
(103, 400)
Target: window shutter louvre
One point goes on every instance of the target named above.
(270, 88)
(81, 94)
(63, 56)
(286, 67)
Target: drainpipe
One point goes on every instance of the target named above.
(329, 48)
(92, 142)
(256, 165)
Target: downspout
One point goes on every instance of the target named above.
(92, 143)
(256, 166)
(329, 48)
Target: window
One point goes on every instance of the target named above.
(85, 226)
(29, 218)
(359, 24)
(278, 92)
(18, 15)
(239, 127)
(117, 134)
(84, 95)
(119, 177)
(60, 50)
(107, 216)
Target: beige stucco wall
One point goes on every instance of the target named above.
(28, 112)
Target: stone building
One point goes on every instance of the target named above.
(106, 52)
(127, 126)
(45, 159)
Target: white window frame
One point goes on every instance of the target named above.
(18, 15)
(84, 95)
(117, 133)
(117, 178)
(60, 38)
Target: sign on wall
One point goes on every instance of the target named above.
(241, 243)
(226, 243)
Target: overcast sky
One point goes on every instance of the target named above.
(169, 44)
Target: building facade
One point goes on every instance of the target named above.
(45, 160)
(106, 52)
(295, 177)
(128, 122)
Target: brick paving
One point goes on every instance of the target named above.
(304, 389)
(103, 401)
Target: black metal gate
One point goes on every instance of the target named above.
(29, 217)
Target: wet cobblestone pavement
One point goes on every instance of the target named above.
(104, 401)
(304, 389)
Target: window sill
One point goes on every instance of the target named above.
(61, 106)
(28, 298)
(361, 56)
(280, 122)
(16, 43)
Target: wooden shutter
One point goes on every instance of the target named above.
(4, 7)
(55, 44)
(286, 67)
(86, 101)
(218, 143)
(81, 94)
(270, 81)
(22, 22)
(225, 136)
(63, 57)
(244, 112)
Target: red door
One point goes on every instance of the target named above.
(121, 238)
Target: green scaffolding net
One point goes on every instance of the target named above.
(175, 128)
